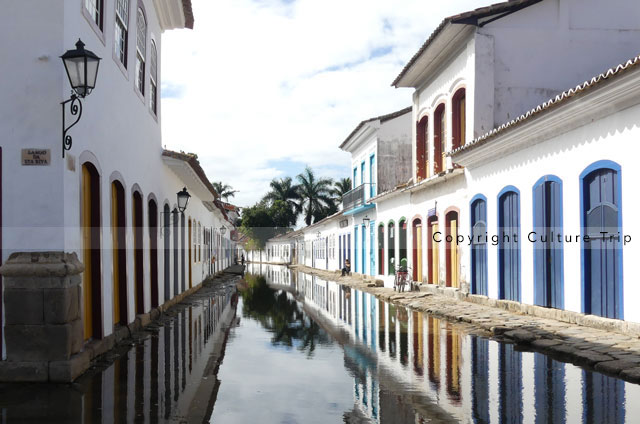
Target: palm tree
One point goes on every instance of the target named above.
(285, 191)
(340, 187)
(224, 190)
(315, 194)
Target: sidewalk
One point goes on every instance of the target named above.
(606, 351)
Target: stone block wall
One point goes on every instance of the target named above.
(43, 320)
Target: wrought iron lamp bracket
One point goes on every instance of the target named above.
(75, 109)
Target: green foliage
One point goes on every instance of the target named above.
(224, 190)
(261, 222)
(340, 187)
(284, 198)
(316, 195)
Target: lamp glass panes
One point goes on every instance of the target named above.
(82, 69)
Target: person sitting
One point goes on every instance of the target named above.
(347, 267)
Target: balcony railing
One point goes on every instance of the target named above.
(358, 196)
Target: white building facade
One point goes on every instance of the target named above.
(493, 160)
(112, 198)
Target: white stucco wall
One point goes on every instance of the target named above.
(118, 134)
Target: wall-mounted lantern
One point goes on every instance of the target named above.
(223, 230)
(183, 199)
(366, 221)
(82, 70)
(318, 234)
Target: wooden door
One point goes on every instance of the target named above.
(118, 232)
(419, 253)
(547, 223)
(452, 260)
(479, 247)
(435, 256)
(602, 264)
(138, 266)
(91, 281)
(190, 258)
(509, 246)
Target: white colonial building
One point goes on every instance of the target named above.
(511, 149)
(111, 198)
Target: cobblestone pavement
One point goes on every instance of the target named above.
(604, 351)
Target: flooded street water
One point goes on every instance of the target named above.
(291, 348)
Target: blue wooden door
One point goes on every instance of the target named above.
(547, 250)
(509, 246)
(363, 247)
(479, 247)
(355, 249)
(372, 248)
(602, 267)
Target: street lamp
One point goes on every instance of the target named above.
(183, 199)
(82, 70)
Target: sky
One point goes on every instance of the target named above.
(261, 88)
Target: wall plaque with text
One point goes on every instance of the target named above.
(36, 157)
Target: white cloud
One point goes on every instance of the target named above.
(263, 81)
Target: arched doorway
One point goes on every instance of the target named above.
(433, 255)
(92, 278)
(372, 248)
(451, 249)
(190, 258)
(381, 249)
(509, 244)
(119, 234)
(153, 251)
(547, 250)
(600, 190)
(166, 218)
(138, 267)
(417, 249)
(479, 246)
(182, 258)
(391, 248)
(176, 264)
(402, 240)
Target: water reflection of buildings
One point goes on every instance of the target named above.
(471, 379)
(158, 379)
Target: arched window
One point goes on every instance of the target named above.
(439, 139)
(141, 50)
(422, 148)
(122, 31)
(153, 79)
(458, 119)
